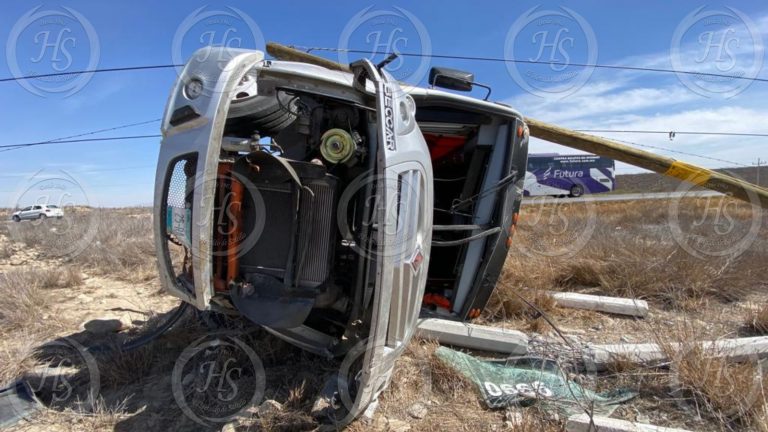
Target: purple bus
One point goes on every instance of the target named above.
(568, 175)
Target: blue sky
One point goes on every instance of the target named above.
(111, 34)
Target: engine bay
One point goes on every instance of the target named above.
(286, 158)
(295, 223)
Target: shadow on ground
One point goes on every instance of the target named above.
(215, 377)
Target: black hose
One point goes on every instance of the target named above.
(438, 243)
(145, 338)
(19, 400)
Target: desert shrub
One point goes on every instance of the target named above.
(731, 393)
(757, 320)
(22, 300)
(5, 251)
(120, 241)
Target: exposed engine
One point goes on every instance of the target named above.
(280, 257)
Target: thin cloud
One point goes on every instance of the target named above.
(633, 100)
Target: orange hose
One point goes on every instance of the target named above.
(235, 228)
(219, 284)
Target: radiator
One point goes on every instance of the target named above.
(316, 230)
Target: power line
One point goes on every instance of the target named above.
(550, 63)
(121, 138)
(64, 140)
(10, 147)
(158, 136)
(80, 141)
(90, 71)
(402, 54)
(750, 134)
(678, 152)
(87, 171)
(106, 130)
(107, 186)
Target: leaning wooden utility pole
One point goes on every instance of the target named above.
(283, 52)
(601, 146)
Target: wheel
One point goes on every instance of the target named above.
(266, 114)
(577, 191)
(16, 219)
(258, 106)
(42, 216)
(59, 217)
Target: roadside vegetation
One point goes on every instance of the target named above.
(115, 243)
(633, 253)
(757, 319)
(630, 253)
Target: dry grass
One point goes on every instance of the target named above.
(445, 381)
(672, 278)
(65, 277)
(760, 419)
(697, 389)
(22, 301)
(452, 402)
(41, 278)
(103, 417)
(511, 302)
(639, 259)
(27, 316)
(632, 253)
(18, 355)
(699, 379)
(120, 246)
(730, 393)
(125, 368)
(286, 420)
(5, 251)
(621, 364)
(757, 320)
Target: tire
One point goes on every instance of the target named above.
(577, 191)
(59, 217)
(266, 114)
(16, 219)
(257, 106)
(42, 216)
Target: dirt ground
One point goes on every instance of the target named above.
(110, 292)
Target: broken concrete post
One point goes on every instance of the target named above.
(614, 305)
(473, 336)
(602, 356)
(582, 423)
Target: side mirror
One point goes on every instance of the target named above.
(452, 79)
